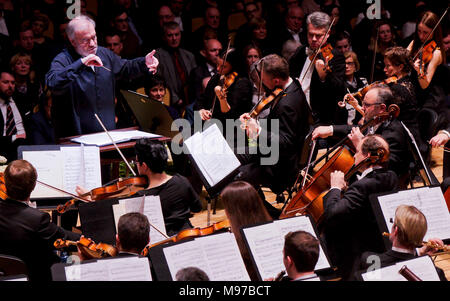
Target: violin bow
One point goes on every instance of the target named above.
(429, 35)
(117, 148)
(318, 49)
(259, 85)
(141, 210)
(63, 191)
(374, 56)
(223, 65)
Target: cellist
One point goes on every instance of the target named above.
(348, 224)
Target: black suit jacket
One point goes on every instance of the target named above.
(28, 234)
(8, 148)
(324, 96)
(388, 258)
(196, 80)
(349, 224)
(295, 119)
(395, 135)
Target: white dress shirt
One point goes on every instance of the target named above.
(17, 118)
(305, 80)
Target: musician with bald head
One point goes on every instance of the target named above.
(82, 80)
(348, 223)
(26, 232)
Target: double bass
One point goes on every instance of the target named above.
(309, 200)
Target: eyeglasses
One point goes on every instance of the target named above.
(350, 63)
(368, 105)
(86, 41)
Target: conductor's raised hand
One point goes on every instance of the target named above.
(92, 60)
(152, 62)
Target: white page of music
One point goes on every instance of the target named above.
(212, 154)
(423, 267)
(49, 170)
(302, 223)
(428, 200)
(266, 245)
(187, 254)
(86, 272)
(116, 269)
(150, 206)
(225, 262)
(131, 268)
(81, 167)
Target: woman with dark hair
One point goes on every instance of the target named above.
(429, 63)
(156, 88)
(229, 93)
(244, 207)
(177, 196)
(42, 131)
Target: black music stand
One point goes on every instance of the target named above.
(152, 115)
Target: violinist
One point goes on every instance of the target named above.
(407, 232)
(300, 256)
(322, 79)
(133, 234)
(294, 117)
(428, 60)
(396, 65)
(349, 225)
(375, 102)
(353, 83)
(26, 232)
(234, 91)
(178, 198)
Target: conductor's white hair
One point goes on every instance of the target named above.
(319, 19)
(75, 23)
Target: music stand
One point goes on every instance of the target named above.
(152, 115)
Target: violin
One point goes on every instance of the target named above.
(362, 92)
(227, 81)
(425, 56)
(259, 107)
(3, 194)
(88, 248)
(120, 188)
(326, 52)
(191, 233)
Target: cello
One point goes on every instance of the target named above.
(309, 200)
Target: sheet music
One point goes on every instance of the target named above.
(212, 154)
(428, 200)
(423, 267)
(131, 268)
(81, 166)
(86, 272)
(150, 206)
(225, 263)
(266, 244)
(222, 263)
(101, 139)
(48, 167)
(187, 254)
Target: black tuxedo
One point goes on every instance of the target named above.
(283, 35)
(28, 234)
(349, 225)
(388, 258)
(324, 96)
(8, 148)
(196, 80)
(294, 118)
